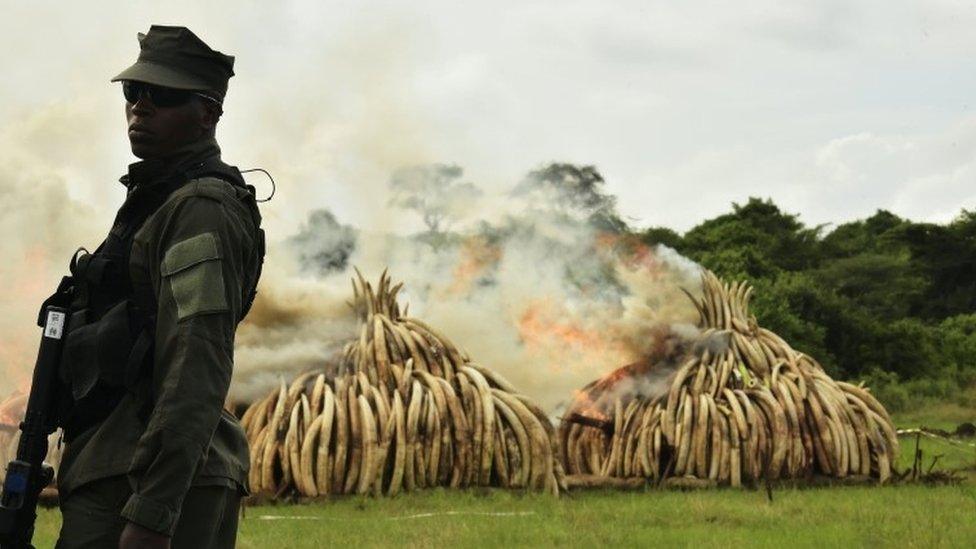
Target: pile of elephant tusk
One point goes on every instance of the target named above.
(406, 410)
(748, 410)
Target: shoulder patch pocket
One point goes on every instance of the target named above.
(193, 270)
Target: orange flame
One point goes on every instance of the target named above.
(28, 285)
(595, 399)
(12, 410)
(14, 359)
(630, 252)
(588, 402)
(548, 329)
(477, 257)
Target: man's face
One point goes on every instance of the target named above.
(156, 132)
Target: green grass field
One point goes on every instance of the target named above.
(904, 515)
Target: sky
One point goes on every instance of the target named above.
(832, 109)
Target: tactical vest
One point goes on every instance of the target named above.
(109, 346)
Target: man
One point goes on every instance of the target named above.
(151, 458)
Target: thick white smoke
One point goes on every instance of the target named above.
(533, 290)
(41, 224)
(530, 290)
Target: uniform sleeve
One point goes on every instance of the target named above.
(198, 271)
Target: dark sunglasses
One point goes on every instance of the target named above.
(158, 95)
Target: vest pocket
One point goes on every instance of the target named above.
(79, 367)
(193, 270)
(98, 351)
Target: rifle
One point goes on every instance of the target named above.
(28, 474)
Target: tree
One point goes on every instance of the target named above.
(660, 235)
(573, 190)
(883, 285)
(874, 234)
(775, 240)
(958, 340)
(946, 256)
(435, 192)
(323, 245)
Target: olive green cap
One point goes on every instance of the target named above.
(174, 57)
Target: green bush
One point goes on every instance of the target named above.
(884, 299)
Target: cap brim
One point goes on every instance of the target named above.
(160, 75)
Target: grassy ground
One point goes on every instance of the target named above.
(906, 515)
(946, 415)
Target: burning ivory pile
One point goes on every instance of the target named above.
(751, 410)
(406, 410)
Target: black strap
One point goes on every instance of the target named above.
(60, 298)
(214, 167)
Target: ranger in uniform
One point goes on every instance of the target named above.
(152, 459)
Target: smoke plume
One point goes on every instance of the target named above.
(534, 284)
(42, 224)
(540, 285)
(535, 290)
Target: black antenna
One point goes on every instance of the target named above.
(274, 187)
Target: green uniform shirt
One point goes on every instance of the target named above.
(198, 254)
